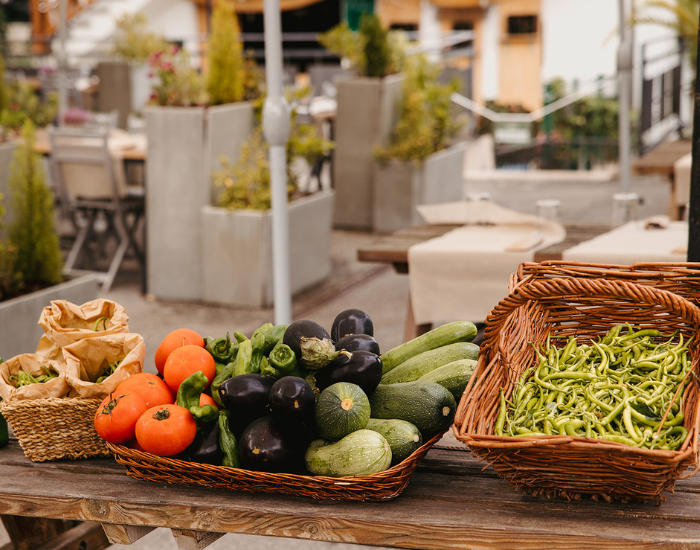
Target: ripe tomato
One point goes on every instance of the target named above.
(165, 430)
(116, 417)
(187, 360)
(153, 389)
(205, 399)
(176, 339)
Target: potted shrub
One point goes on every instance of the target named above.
(237, 232)
(190, 123)
(420, 164)
(19, 103)
(30, 257)
(368, 108)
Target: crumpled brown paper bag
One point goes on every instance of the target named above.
(65, 323)
(88, 358)
(32, 363)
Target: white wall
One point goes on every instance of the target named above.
(489, 54)
(174, 19)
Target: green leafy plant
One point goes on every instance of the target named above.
(178, 84)
(426, 124)
(26, 105)
(33, 241)
(4, 92)
(225, 80)
(245, 184)
(371, 51)
(133, 41)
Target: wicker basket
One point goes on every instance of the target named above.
(376, 487)
(584, 307)
(55, 428)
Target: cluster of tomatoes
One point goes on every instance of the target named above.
(141, 412)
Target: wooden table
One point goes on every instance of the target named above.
(133, 154)
(659, 161)
(393, 249)
(452, 502)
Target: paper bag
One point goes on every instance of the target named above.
(32, 364)
(65, 323)
(89, 359)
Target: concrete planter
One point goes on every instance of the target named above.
(237, 251)
(7, 153)
(184, 144)
(368, 110)
(400, 187)
(19, 316)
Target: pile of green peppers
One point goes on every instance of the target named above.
(627, 388)
(23, 378)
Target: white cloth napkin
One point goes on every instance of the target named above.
(465, 273)
(636, 241)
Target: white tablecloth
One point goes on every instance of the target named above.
(632, 243)
(465, 273)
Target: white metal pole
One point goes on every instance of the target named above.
(624, 69)
(276, 127)
(62, 83)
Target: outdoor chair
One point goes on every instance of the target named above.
(105, 212)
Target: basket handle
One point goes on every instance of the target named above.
(572, 288)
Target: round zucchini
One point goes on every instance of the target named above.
(403, 437)
(425, 404)
(363, 452)
(341, 409)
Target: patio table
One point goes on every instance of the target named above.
(452, 502)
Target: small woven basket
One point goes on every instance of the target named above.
(540, 305)
(381, 486)
(55, 428)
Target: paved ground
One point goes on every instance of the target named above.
(375, 289)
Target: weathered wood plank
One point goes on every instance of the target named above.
(30, 533)
(194, 540)
(125, 534)
(84, 536)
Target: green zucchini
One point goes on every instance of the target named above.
(457, 331)
(340, 409)
(403, 437)
(453, 376)
(423, 363)
(425, 404)
(363, 452)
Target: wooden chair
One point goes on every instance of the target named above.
(89, 179)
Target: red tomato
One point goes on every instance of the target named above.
(185, 361)
(165, 430)
(176, 339)
(205, 399)
(153, 389)
(116, 417)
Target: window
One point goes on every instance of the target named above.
(522, 24)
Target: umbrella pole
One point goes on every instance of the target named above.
(276, 126)
(694, 206)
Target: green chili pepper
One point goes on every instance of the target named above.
(189, 394)
(258, 349)
(268, 369)
(108, 371)
(23, 378)
(282, 357)
(221, 349)
(102, 320)
(242, 362)
(224, 374)
(240, 337)
(498, 429)
(227, 442)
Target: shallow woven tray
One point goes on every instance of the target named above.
(584, 307)
(55, 428)
(376, 487)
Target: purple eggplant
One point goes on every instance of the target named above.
(357, 342)
(351, 321)
(363, 368)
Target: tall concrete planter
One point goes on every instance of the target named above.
(368, 110)
(7, 153)
(19, 331)
(237, 251)
(184, 144)
(400, 187)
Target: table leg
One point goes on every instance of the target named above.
(29, 533)
(411, 330)
(125, 534)
(194, 540)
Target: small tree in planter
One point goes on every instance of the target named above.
(367, 111)
(225, 83)
(236, 237)
(419, 165)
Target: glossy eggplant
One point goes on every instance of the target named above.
(205, 447)
(356, 342)
(266, 447)
(303, 329)
(292, 399)
(351, 321)
(360, 367)
(246, 397)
